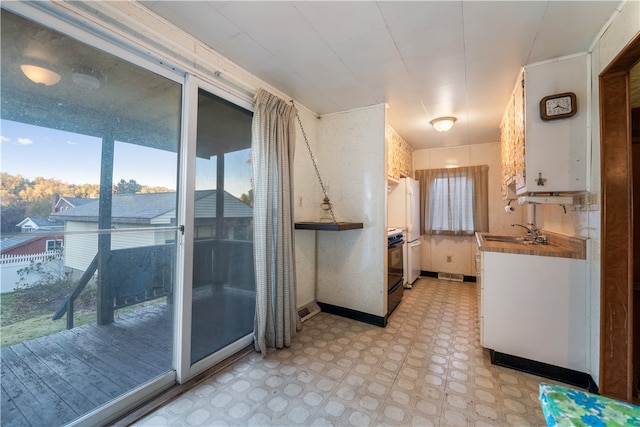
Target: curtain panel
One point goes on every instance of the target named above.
(272, 151)
(454, 200)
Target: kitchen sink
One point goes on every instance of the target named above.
(508, 239)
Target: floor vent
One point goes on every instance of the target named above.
(451, 276)
(307, 311)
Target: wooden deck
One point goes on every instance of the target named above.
(53, 380)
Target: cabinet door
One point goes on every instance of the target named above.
(479, 290)
(556, 150)
(535, 307)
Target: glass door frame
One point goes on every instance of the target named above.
(53, 17)
(186, 207)
(68, 23)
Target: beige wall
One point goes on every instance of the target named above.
(436, 249)
(352, 158)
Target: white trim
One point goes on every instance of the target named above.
(186, 203)
(607, 24)
(556, 59)
(183, 328)
(588, 119)
(217, 357)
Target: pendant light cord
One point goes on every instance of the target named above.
(326, 203)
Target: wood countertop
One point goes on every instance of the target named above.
(559, 245)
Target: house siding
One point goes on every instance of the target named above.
(81, 248)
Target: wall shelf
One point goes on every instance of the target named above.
(328, 226)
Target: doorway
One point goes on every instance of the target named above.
(617, 377)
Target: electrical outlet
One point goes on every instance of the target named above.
(589, 202)
(449, 258)
(592, 202)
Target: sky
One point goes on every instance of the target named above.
(33, 151)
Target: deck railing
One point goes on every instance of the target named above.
(139, 274)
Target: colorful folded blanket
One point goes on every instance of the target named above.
(563, 406)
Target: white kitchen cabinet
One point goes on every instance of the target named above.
(479, 294)
(535, 307)
(546, 156)
(555, 150)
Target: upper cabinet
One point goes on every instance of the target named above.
(544, 129)
(399, 156)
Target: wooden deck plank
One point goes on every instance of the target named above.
(136, 346)
(158, 333)
(60, 387)
(22, 398)
(110, 360)
(58, 409)
(158, 325)
(135, 352)
(9, 412)
(95, 386)
(84, 368)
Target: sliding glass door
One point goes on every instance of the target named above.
(223, 285)
(89, 152)
(127, 225)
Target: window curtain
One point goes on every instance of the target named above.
(273, 143)
(457, 197)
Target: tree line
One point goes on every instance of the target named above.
(21, 197)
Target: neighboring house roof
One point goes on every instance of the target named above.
(74, 201)
(12, 242)
(42, 223)
(155, 208)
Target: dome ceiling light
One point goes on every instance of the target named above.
(443, 124)
(40, 75)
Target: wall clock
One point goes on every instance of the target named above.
(558, 106)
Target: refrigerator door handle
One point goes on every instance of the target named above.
(410, 203)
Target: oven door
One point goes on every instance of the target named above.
(395, 265)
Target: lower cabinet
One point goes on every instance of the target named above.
(535, 307)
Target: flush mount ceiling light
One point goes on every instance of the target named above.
(40, 75)
(443, 124)
(86, 77)
(85, 81)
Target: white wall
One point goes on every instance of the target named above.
(352, 158)
(622, 30)
(462, 249)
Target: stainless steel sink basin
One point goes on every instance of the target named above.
(508, 239)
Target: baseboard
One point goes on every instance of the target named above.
(353, 314)
(434, 274)
(565, 375)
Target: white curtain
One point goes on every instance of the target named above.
(273, 143)
(454, 200)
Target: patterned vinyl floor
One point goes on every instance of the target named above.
(426, 368)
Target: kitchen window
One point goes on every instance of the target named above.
(454, 200)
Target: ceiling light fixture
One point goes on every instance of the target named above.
(443, 124)
(85, 81)
(40, 75)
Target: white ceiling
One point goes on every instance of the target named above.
(426, 59)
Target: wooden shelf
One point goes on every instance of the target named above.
(328, 226)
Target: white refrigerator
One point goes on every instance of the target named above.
(403, 211)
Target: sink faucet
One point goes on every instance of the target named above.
(530, 230)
